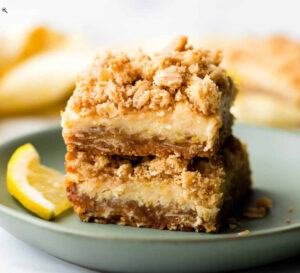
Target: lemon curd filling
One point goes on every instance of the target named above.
(180, 125)
(148, 194)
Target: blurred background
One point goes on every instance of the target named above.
(45, 44)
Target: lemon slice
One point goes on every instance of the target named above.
(38, 188)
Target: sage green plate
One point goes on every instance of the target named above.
(275, 159)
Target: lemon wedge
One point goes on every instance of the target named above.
(38, 188)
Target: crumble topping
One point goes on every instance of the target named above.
(148, 167)
(263, 204)
(117, 83)
(253, 213)
(245, 232)
(178, 44)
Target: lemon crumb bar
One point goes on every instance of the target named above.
(165, 193)
(176, 102)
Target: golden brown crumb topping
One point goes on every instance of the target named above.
(117, 83)
(245, 232)
(253, 213)
(150, 166)
(264, 202)
(147, 167)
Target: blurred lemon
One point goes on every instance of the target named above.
(38, 188)
(18, 46)
(38, 68)
(41, 81)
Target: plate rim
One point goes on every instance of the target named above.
(55, 227)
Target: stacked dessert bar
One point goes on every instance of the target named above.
(149, 141)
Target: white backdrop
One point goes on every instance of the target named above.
(118, 21)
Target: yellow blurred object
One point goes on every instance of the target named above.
(268, 72)
(38, 69)
(41, 81)
(17, 47)
(235, 77)
(38, 188)
(260, 108)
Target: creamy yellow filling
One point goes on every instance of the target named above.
(179, 125)
(147, 194)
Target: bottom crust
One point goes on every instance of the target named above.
(130, 213)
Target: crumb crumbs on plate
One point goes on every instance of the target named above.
(232, 226)
(291, 209)
(253, 213)
(288, 220)
(244, 232)
(264, 202)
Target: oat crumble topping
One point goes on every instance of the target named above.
(244, 232)
(117, 83)
(264, 202)
(253, 213)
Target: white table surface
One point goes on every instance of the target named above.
(18, 257)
